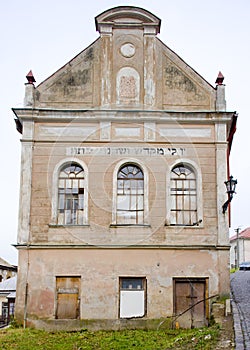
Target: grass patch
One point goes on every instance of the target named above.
(25, 339)
(234, 269)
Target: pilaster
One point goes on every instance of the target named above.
(221, 177)
(149, 70)
(25, 183)
(106, 66)
(220, 98)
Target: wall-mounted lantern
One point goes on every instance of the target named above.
(230, 185)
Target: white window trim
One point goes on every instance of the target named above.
(199, 193)
(54, 192)
(114, 203)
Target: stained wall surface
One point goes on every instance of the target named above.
(127, 99)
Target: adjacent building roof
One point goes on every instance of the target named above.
(12, 295)
(245, 234)
(4, 264)
(8, 285)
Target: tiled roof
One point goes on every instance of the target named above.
(243, 234)
(8, 285)
(4, 263)
(11, 295)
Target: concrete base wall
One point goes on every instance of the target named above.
(94, 325)
(99, 271)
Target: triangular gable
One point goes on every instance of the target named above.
(182, 87)
(5, 263)
(127, 67)
(72, 84)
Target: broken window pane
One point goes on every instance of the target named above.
(130, 190)
(71, 195)
(183, 196)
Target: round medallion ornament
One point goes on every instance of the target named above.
(127, 50)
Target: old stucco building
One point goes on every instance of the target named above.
(8, 275)
(124, 156)
(240, 247)
(6, 270)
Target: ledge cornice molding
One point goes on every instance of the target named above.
(127, 17)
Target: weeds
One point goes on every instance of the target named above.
(29, 339)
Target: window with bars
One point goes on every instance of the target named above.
(71, 195)
(183, 196)
(130, 195)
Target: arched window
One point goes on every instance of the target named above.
(130, 195)
(183, 196)
(71, 195)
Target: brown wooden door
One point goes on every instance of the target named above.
(190, 302)
(67, 297)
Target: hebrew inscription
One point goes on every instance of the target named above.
(126, 151)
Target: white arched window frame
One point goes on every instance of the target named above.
(55, 188)
(199, 196)
(115, 174)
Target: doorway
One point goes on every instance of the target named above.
(190, 306)
(67, 295)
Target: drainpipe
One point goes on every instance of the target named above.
(25, 306)
(26, 292)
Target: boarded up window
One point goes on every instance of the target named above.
(132, 297)
(190, 302)
(68, 297)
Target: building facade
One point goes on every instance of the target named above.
(240, 247)
(7, 300)
(124, 156)
(7, 270)
(8, 275)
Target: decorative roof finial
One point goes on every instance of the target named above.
(30, 77)
(219, 79)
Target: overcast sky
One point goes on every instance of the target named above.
(43, 35)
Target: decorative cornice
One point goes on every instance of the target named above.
(88, 115)
(127, 17)
(125, 247)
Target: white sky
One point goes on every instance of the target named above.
(43, 35)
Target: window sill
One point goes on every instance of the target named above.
(196, 227)
(57, 225)
(129, 225)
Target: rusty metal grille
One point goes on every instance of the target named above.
(71, 195)
(183, 196)
(130, 195)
